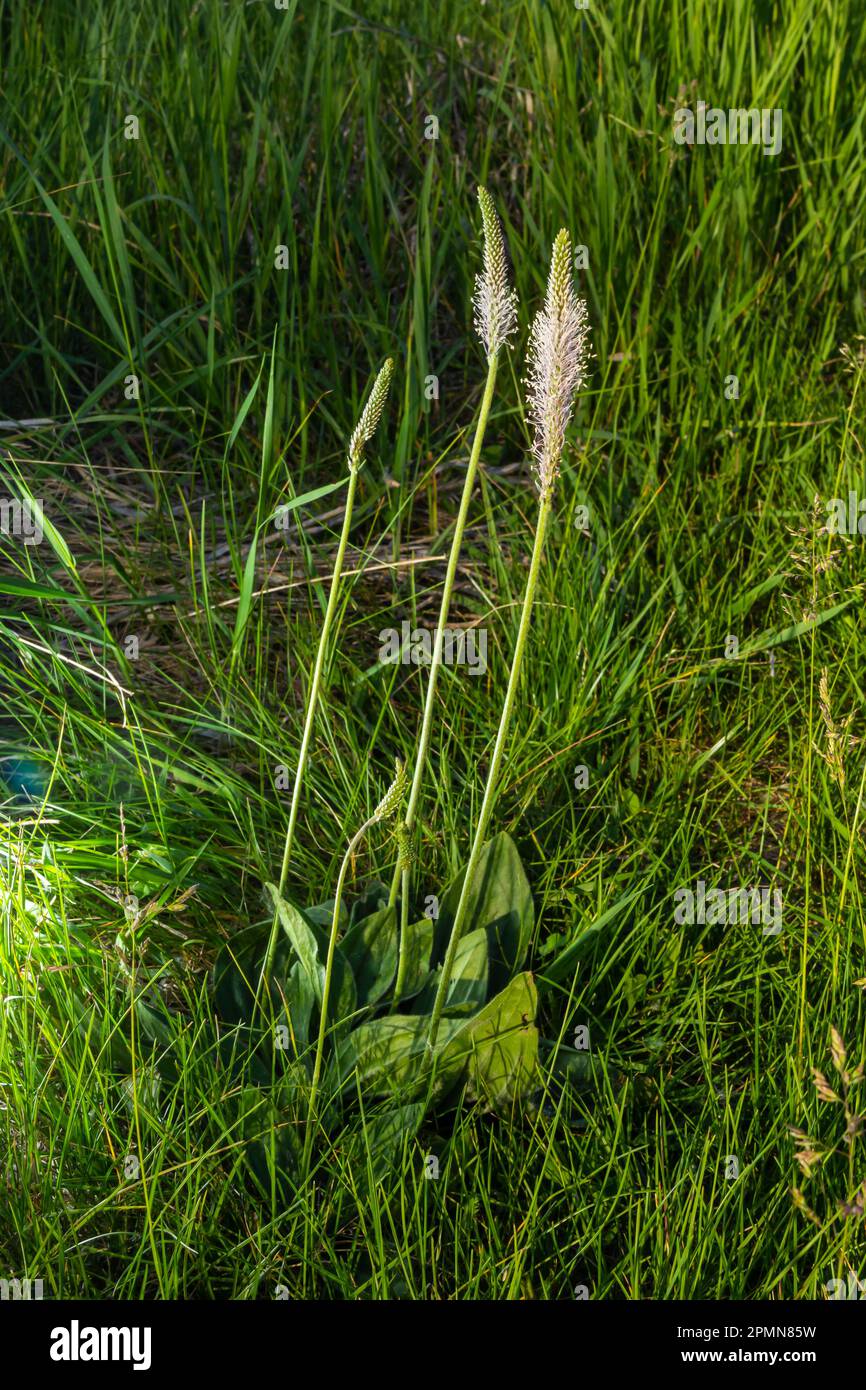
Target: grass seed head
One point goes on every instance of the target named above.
(370, 415)
(838, 739)
(559, 351)
(495, 302)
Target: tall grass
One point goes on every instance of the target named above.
(146, 795)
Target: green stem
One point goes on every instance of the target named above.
(403, 961)
(311, 714)
(326, 986)
(450, 574)
(493, 774)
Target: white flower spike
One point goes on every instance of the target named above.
(558, 360)
(495, 302)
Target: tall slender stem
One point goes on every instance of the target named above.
(493, 773)
(361, 436)
(311, 712)
(326, 986)
(444, 608)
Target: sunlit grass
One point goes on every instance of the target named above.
(142, 805)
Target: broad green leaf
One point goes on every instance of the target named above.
(389, 1055)
(301, 1002)
(371, 949)
(236, 973)
(374, 897)
(344, 996)
(154, 1026)
(467, 988)
(322, 915)
(497, 1050)
(266, 1129)
(301, 935)
(386, 1054)
(236, 976)
(567, 1062)
(418, 948)
(501, 901)
(239, 965)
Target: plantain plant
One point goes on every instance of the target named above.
(368, 1003)
(361, 436)
(558, 358)
(495, 306)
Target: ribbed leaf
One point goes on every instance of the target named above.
(467, 988)
(500, 900)
(371, 949)
(497, 1050)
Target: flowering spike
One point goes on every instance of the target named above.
(405, 851)
(393, 796)
(495, 303)
(370, 415)
(558, 359)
